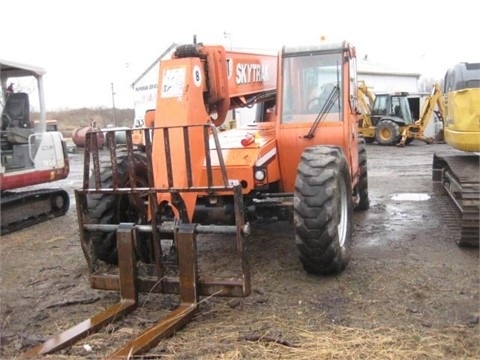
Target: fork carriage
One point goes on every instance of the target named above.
(154, 226)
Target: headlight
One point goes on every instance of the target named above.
(260, 175)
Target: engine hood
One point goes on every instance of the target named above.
(258, 143)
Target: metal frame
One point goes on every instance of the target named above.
(188, 284)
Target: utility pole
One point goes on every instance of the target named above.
(114, 111)
(229, 36)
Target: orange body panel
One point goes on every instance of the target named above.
(242, 159)
(291, 135)
(191, 92)
(201, 83)
(250, 73)
(293, 143)
(150, 118)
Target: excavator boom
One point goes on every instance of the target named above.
(433, 105)
(366, 99)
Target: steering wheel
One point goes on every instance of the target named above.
(313, 105)
(324, 92)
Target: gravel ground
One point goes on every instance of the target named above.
(408, 292)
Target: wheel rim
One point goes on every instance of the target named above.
(343, 221)
(127, 209)
(385, 134)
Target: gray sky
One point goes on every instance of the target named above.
(87, 45)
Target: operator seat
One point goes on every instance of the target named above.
(16, 112)
(397, 110)
(16, 119)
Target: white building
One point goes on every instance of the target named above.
(145, 88)
(382, 78)
(385, 78)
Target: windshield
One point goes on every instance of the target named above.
(405, 110)
(392, 105)
(24, 84)
(308, 82)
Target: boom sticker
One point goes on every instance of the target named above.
(197, 76)
(173, 82)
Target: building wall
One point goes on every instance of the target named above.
(389, 82)
(145, 95)
(145, 88)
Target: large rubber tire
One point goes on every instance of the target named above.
(323, 210)
(362, 187)
(115, 209)
(387, 132)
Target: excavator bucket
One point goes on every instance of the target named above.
(155, 276)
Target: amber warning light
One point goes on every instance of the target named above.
(248, 139)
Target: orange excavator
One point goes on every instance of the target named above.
(301, 160)
(31, 154)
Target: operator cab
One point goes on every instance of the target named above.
(311, 83)
(19, 144)
(394, 106)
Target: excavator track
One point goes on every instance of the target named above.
(27, 208)
(460, 177)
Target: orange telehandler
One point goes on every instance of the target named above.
(302, 160)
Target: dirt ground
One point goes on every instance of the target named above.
(409, 291)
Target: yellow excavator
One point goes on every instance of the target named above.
(387, 119)
(458, 107)
(459, 169)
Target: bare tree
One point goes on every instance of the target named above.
(425, 84)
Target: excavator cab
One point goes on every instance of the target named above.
(462, 91)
